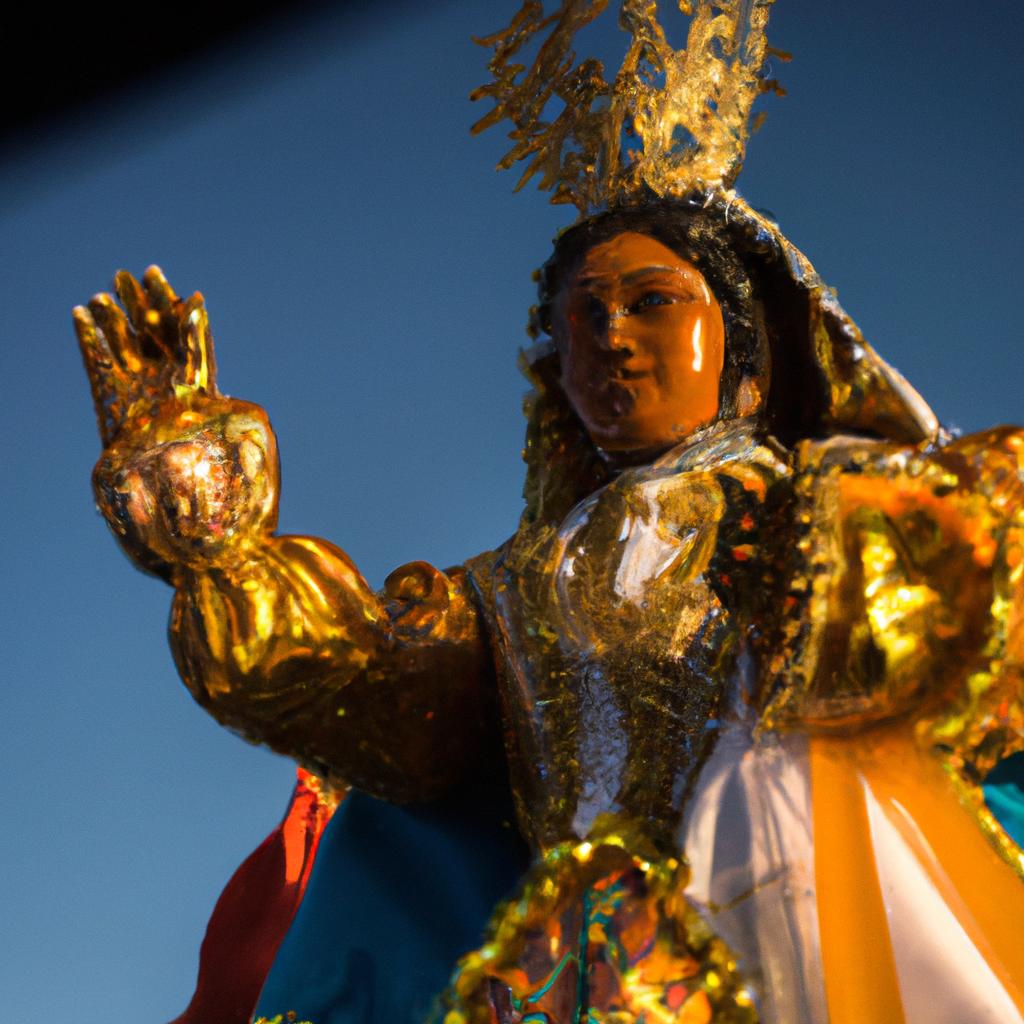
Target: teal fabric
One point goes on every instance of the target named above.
(1004, 794)
(397, 894)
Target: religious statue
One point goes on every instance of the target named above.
(754, 653)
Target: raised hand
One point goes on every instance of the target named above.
(280, 638)
(188, 477)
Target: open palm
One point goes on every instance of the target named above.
(187, 475)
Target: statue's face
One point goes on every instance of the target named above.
(641, 343)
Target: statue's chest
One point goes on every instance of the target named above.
(629, 568)
(619, 632)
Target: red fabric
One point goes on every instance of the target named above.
(255, 911)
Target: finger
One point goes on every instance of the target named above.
(98, 361)
(129, 291)
(99, 366)
(159, 291)
(200, 367)
(162, 300)
(120, 338)
(146, 321)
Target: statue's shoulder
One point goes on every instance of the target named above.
(1006, 438)
(856, 454)
(970, 462)
(998, 449)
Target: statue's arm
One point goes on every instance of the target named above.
(292, 648)
(983, 722)
(279, 638)
(906, 584)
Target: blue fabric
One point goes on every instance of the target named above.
(397, 894)
(1004, 793)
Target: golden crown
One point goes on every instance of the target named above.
(671, 123)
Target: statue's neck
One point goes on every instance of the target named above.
(617, 462)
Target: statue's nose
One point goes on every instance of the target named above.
(617, 336)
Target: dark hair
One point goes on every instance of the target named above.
(699, 236)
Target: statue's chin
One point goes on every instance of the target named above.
(620, 455)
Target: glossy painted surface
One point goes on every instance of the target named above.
(642, 343)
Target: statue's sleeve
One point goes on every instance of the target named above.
(387, 692)
(980, 722)
(903, 591)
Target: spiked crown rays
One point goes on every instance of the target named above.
(671, 123)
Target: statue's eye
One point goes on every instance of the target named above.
(651, 299)
(597, 314)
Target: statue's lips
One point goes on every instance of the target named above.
(620, 395)
(616, 390)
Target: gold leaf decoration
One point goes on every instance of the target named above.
(670, 123)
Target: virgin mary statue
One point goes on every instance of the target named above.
(749, 668)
